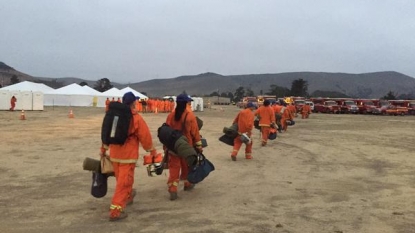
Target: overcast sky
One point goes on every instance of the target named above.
(137, 40)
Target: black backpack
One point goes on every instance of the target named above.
(116, 124)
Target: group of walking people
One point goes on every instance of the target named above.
(124, 157)
(270, 119)
(148, 105)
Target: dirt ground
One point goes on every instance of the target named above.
(329, 173)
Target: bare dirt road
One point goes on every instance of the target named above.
(329, 173)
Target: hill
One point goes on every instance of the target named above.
(366, 85)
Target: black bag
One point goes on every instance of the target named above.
(231, 131)
(272, 135)
(199, 123)
(168, 136)
(256, 124)
(200, 170)
(99, 184)
(116, 124)
(204, 142)
(226, 139)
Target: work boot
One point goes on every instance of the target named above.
(116, 217)
(189, 187)
(130, 200)
(173, 196)
(233, 158)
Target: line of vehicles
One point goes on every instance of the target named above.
(342, 105)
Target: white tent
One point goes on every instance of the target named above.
(29, 95)
(28, 86)
(70, 95)
(136, 93)
(111, 93)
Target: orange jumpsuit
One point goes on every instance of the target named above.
(13, 101)
(305, 111)
(287, 115)
(245, 121)
(107, 105)
(266, 118)
(178, 168)
(277, 112)
(124, 158)
(292, 109)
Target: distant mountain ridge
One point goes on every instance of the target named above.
(365, 85)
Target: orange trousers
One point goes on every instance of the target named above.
(265, 133)
(284, 123)
(178, 170)
(124, 176)
(237, 143)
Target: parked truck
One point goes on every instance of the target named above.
(329, 106)
(262, 98)
(365, 106)
(245, 100)
(348, 106)
(217, 100)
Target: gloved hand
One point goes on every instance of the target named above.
(199, 149)
(103, 150)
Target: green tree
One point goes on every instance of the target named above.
(249, 92)
(14, 79)
(299, 87)
(215, 93)
(83, 84)
(103, 84)
(239, 94)
(278, 91)
(389, 96)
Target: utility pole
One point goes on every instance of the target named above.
(218, 96)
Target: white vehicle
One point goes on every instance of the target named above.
(311, 105)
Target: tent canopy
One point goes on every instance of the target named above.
(136, 93)
(113, 92)
(71, 89)
(28, 86)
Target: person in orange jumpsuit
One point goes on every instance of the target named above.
(107, 104)
(245, 122)
(286, 115)
(277, 107)
(305, 111)
(292, 109)
(185, 121)
(13, 101)
(266, 119)
(124, 158)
